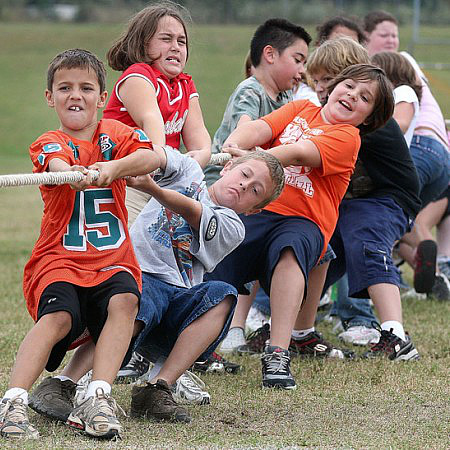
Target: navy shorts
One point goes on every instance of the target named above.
(445, 194)
(363, 240)
(166, 310)
(88, 307)
(266, 235)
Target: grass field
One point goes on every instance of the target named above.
(356, 404)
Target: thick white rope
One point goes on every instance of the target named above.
(55, 178)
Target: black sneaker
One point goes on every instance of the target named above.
(216, 364)
(314, 345)
(53, 398)
(425, 266)
(441, 288)
(256, 341)
(276, 372)
(156, 400)
(392, 347)
(137, 366)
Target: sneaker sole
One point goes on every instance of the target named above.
(110, 433)
(424, 278)
(265, 385)
(35, 406)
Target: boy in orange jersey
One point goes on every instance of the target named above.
(82, 274)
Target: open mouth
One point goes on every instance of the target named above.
(172, 59)
(74, 108)
(346, 105)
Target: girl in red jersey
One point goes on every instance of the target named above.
(153, 93)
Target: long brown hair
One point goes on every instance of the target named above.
(131, 47)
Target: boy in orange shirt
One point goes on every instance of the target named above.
(318, 148)
(82, 274)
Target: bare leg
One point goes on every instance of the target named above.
(194, 340)
(115, 337)
(307, 314)
(386, 298)
(81, 362)
(36, 347)
(285, 298)
(243, 307)
(443, 235)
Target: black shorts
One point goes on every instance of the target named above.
(88, 307)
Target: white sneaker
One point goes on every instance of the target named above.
(360, 335)
(255, 319)
(81, 389)
(234, 338)
(190, 389)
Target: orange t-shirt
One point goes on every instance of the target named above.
(314, 193)
(84, 237)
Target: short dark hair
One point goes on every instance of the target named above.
(383, 106)
(372, 19)
(325, 29)
(76, 59)
(279, 33)
(399, 70)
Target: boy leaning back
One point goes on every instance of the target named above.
(82, 274)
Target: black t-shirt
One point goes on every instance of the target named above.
(385, 169)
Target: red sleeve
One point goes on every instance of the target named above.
(47, 147)
(139, 70)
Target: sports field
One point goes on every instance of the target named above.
(358, 404)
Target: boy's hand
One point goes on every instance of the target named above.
(83, 184)
(200, 156)
(107, 173)
(141, 183)
(234, 150)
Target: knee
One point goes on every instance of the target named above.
(125, 305)
(59, 321)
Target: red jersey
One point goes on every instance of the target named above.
(172, 95)
(314, 192)
(84, 237)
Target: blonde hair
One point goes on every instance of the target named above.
(336, 55)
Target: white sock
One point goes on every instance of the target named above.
(96, 384)
(64, 378)
(22, 393)
(397, 328)
(300, 334)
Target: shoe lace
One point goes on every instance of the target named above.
(386, 342)
(138, 362)
(276, 362)
(192, 382)
(16, 410)
(103, 402)
(257, 339)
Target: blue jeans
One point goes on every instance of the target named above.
(166, 310)
(432, 164)
(352, 311)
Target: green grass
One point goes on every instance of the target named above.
(357, 404)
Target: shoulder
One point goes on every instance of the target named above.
(405, 93)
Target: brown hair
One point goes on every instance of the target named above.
(325, 29)
(275, 170)
(76, 59)
(372, 19)
(335, 55)
(383, 107)
(131, 47)
(399, 70)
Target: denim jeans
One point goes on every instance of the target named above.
(431, 159)
(352, 311)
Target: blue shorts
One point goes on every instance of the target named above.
(167, 310)
(363, 240)
(266, 235)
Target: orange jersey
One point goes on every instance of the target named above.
(84, 237)
(314, 192)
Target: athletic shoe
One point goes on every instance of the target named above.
(444, 266)
(425, 266)
(136, 367)
(392, 347)
(14, 421)
(216, 364)
(441, 288)
(255, 319)
(54, 398)
(314, 345)
(96, 416)
(82, 385)
(156, 400)
(360, 335)
(276, 372)
(256, 341)
(190, 389)
(234, 338)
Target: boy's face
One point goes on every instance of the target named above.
(321, 81)
(351, 102)
(76, 97)
(289, 65)
(384, 38)
(243, 186)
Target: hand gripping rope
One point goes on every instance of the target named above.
(54, 178)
